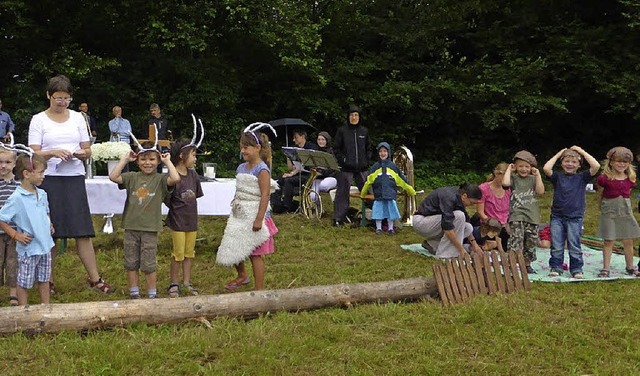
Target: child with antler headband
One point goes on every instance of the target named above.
(142, 216)
(28, 209)
(183, 211)
(250, 228)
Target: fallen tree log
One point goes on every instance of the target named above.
(54, 318)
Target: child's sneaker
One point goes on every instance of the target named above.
(555, 273)
(134, 296)
(378, 232)
(391, 232)
(531, 270)
(578, 275)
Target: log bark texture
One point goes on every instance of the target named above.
(54, 318)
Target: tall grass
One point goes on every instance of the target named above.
(577, 328)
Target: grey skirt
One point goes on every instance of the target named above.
(68, 206)
(616, 220)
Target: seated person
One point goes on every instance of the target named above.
(324, 182)
(282, 199)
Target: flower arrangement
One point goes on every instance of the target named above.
(109, 151)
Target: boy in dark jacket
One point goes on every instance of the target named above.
(386, 178)
(351, 147)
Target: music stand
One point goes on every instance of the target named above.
(317, 159)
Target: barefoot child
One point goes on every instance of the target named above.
(142, 216)
(28, 209)
(567, 209)
(183, 216)
(250, 228)
(8, 255)
(616, 219)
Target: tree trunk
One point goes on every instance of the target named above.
(55, 318)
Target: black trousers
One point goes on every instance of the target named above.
(341, 202)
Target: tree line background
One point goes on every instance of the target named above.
(462, 83)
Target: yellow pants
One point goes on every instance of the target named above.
(184, 245)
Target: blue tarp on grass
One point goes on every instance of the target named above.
(592, 265)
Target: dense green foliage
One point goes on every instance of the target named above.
(467, 82)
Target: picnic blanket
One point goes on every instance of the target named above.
(592, 265)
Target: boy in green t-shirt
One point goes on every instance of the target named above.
(524, 213)
(142, 216)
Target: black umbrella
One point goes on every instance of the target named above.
(289, 124)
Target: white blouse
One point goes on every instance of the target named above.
(51, 135)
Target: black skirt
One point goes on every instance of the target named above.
(68, 206)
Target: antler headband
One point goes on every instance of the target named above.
(195, 133)
(253, 127)
(143, 150)
(19, 148)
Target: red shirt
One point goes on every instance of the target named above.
(615, 188)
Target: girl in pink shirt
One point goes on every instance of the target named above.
(495, 200)
(616, 219)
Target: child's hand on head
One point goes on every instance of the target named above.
(534, 171)
(130, 157)
(165, 157)
(512, 166)
(577, 148)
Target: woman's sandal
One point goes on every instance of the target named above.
(174, 290)
(188, 287)
(99, 285)
(13, 301)
(230, 286)
(604, 273)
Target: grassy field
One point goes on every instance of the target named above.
(575, 329)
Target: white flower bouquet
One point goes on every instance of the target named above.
(109, 151)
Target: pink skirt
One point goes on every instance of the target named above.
(269, 246)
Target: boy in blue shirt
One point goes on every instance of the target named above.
(28, 209)
(567, 210)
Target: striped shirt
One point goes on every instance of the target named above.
(6, 189)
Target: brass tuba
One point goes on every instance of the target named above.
(403, 158)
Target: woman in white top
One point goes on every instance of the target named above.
(61, 137)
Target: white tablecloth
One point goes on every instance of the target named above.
(105, 197)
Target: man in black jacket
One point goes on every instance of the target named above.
(352, 149)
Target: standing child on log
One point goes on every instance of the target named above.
(250, 228)
(616, 215)
(142, 216)
(183, 216)
(28, 209)
(568, 207)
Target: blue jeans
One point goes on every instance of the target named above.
(569, 230)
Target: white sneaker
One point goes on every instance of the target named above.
(554, 273)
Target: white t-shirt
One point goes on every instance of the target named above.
(51, 135)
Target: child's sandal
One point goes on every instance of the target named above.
(174, 290)
(52, 288)
(631, 272)
(13, 301)
(99, 285)
(604, 273)
(188, 287)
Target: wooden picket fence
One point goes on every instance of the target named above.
(462, 278)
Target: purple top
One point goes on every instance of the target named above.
(615, 188)
(255, 171)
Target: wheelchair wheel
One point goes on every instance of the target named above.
(311, 208)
